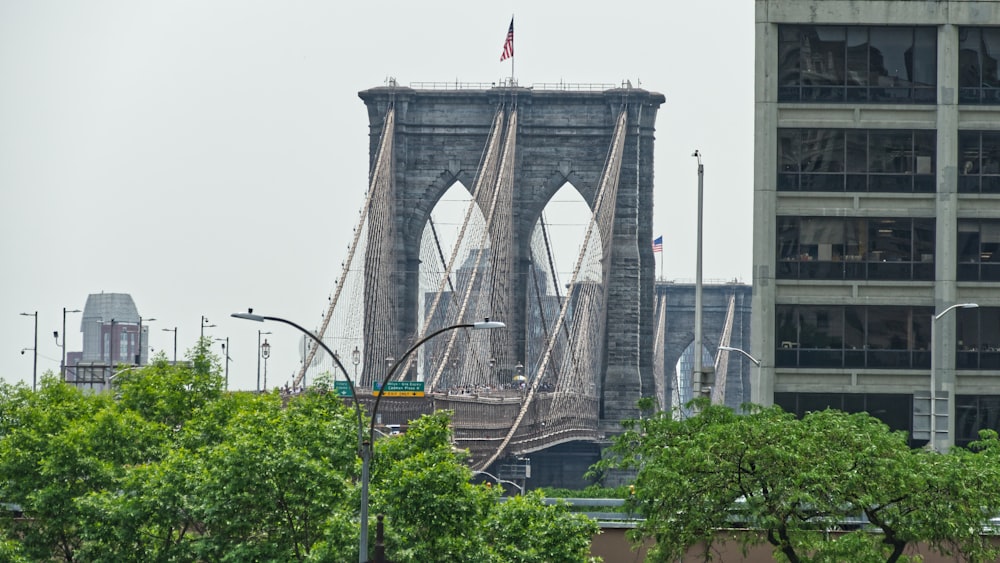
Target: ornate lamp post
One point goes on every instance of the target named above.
(265, 352)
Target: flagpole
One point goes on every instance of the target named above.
(512, 53)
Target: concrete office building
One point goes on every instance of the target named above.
(877, 211)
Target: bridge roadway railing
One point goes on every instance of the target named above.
(482, 419)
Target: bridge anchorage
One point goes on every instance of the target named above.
(577, 354)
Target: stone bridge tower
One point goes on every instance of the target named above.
(563, 136)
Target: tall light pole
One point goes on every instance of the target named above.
(260, 353)
(943, 443)
(62, 362)
(141, 348)
(365, 446)
(173, 330)
(204, 325)
(698, 329)
(34, 367)
(225, 350)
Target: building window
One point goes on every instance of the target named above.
(974, 413)
(895, 410)
(856, 160)
(872, 337)
(883, 64)
(979, 48)
(978, 250)
(838, 248)
(979, 162)
(977, 339)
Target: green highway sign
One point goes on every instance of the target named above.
(342, 388)
(400, 389)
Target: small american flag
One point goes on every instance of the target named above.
(508, 45)
(658, 244)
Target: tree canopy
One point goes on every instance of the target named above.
(831, 486)
(169, 467)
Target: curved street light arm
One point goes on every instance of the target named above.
(755, 361)
(956, 306)
(486, 324)
(499, 480)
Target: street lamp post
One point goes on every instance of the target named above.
(34, 350)
(356, 359)
(141, 347)
(365, 446)
(699, 377)
(259, 333)
(265, 352)
(225, 350)
(367, 457)
(204, 325)
(942, 444)
(62, 362)
(173, 330)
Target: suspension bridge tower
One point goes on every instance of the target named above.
(545, 137)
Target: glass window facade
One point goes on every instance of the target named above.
(974, 413)
(977, 335)
(852, 336)
(978, 250)
(979, 162)
(857, 64)
(895, 410)
(850, 248)
(978, 50)
(856, 160)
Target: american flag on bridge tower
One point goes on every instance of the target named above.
(508, 45)
(658, 244)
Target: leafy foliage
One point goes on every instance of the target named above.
(170, 468)
(799, 480)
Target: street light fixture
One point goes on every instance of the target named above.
(34, 350)
(261, 350)
(755, 361)
(942, 444)
(498, 480)
(173, 330)
(365, 446)
(265, 352)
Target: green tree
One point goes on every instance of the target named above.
(526, 530)
(267, 490)
(64, 446)
(798, 480)
(171, 394)
(434, 514)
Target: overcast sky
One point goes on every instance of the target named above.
(209, 156)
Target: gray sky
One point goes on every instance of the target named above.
(209, 156)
